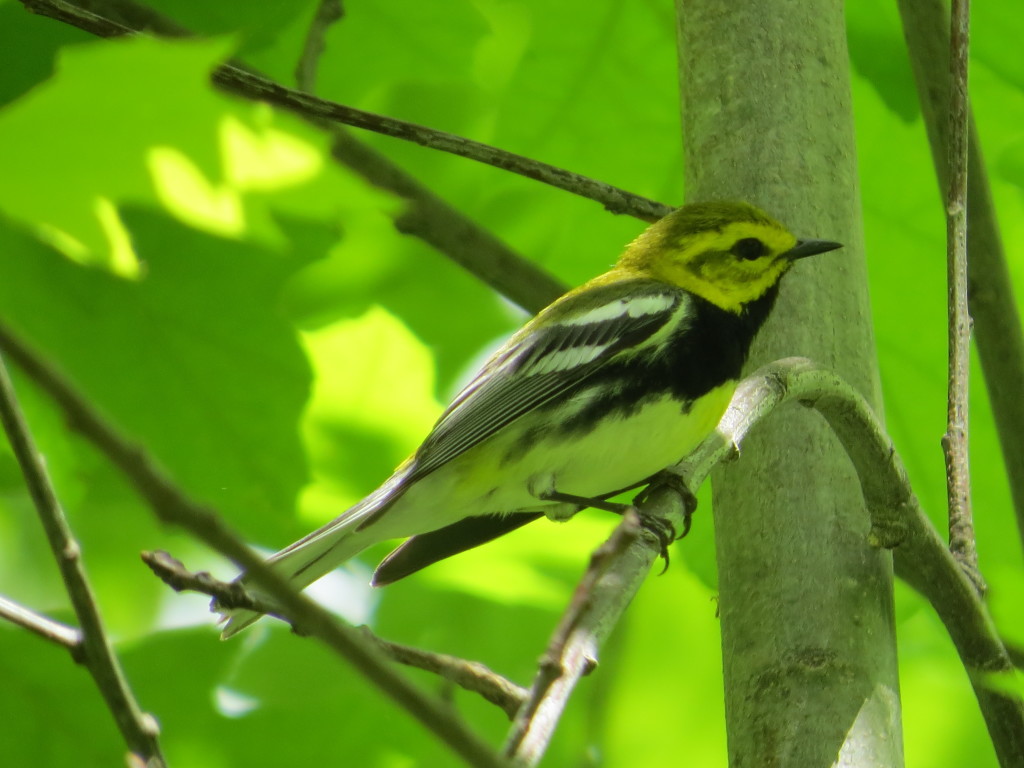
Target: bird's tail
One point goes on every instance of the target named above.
(320, 552)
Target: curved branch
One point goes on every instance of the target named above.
(138, 729)
(597, 605)
(470, 675)
(897, 522)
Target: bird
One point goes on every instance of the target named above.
(598, 393)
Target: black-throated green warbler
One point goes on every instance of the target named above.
(612, 383)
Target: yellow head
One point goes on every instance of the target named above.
(729, 253)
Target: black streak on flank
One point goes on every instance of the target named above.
(709, 353)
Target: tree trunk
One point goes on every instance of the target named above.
(806, 605)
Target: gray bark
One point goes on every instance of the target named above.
(806, 604)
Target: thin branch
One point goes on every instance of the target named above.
(997, 326)
(612, 198)
(954, 442)
(606, 592)
(240, 82)
(139, 729)
(230, 595)
(470, 675)
(431, 219)
(171, 505)
(45, 627)
(327, 12)
(568, 655)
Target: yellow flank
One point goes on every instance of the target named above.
(619, 452)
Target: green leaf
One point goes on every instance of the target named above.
(192, 360)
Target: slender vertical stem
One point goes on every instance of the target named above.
(138, 728)
(955, 444)
(327, 12)
(995, 318)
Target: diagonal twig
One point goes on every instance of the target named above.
(616, 573)
(470, 675)
(45, 627)
(139, 729)
(561, 659)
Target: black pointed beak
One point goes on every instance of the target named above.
(805, 248)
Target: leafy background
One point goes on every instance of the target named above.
(245, 308)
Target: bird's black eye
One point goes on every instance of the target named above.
(749, 248)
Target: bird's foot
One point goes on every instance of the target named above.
(663, 529)
(675, 483)
(585, 501)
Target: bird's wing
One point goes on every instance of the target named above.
(579, 335)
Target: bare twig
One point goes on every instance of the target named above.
(327, 12)
(561, 658)
(996, 318)
(471, 675)
(612, 198)
(171, 505)
(139, 729)
(597, 608)
(435, 222)
(238, 81)
(958, 478)
(43, 626)
(231, 595)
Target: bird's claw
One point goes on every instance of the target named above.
(663, 529)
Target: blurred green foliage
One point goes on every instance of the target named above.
(243, 307)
